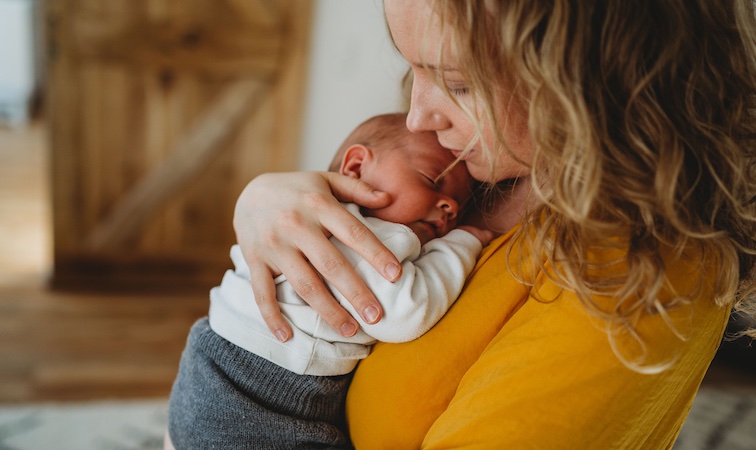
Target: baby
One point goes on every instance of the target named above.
(238, 383)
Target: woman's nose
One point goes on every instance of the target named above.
(424, 114)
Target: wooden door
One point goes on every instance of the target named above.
(160, 112)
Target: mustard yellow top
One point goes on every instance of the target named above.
(504, 370)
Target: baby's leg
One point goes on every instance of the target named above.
(226, 397)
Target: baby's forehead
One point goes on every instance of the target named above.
(422, 144)
(424, 156)
(421, 150)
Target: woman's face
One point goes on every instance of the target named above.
(431, 109)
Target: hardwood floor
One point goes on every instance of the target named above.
(67, 345)
(57, 345)
(79, 346)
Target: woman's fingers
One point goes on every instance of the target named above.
(331, 264)
(283, 221)
(355, 235)
(354, 190)
(308, 285)
(305, 281)
(265, 297)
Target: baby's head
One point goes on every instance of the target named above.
(382, 152)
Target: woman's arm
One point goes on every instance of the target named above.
(283, 222)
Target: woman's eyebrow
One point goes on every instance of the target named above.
(442, 68)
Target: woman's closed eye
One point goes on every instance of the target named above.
(459, 91)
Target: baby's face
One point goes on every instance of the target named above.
(429, 208)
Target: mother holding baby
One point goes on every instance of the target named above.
(616, 146)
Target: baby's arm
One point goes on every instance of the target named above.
(484, 236)
(432, 279)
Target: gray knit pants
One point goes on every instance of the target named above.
(227, 398)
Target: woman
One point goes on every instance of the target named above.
(623, 135)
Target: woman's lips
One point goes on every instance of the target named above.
(457, 153)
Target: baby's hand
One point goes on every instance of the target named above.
(484, 236)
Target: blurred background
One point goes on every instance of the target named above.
(157, 113)
(127, 131)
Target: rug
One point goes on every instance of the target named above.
(134, 425)
(719, 420)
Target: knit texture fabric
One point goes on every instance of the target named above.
(227, 398)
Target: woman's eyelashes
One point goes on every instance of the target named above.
(459, 91)
(457, 87)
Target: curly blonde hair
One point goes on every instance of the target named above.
(643, 116)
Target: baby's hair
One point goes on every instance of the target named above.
(378, 133)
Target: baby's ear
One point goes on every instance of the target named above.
(354, 160)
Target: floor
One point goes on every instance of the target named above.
(66, 345)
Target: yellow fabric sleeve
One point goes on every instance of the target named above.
(503, 370)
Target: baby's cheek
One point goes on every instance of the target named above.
(422, 232)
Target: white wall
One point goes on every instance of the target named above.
(355, 73)
(16, 60)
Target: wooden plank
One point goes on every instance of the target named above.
(199, 146)
(289, 90)
(70, 354)
(63, 108)
(130, 85)
(178, 45)
(258, 12)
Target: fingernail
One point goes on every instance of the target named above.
(371, 314)
(281, 335)
(348, 329)
(392, 270)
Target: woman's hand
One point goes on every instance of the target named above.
(283, 222)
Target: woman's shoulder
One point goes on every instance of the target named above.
(509, 350)
(644, 332)
(554, 365)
